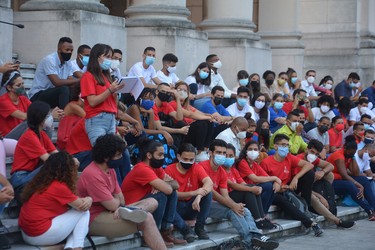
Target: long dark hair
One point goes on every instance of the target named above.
(243, 152)
(263, 113)
(254, 89)
(206, 81)
(262, 139)
(36, 114)
(94, 68)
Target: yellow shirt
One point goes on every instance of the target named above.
(296, 143)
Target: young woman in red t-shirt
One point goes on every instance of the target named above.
(46, 217)
(98, 91)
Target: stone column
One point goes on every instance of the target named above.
(6, 31)
(164, 24)
(231, 36)
(278, 26)
(88, 5)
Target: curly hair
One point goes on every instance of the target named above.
(106, 147)
(59, 166)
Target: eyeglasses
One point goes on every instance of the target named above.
(284, 145)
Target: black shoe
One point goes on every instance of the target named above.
(201, 233)
(188, 234)
(264, 242)
(346, 224)
(265, 224)
(317, 230)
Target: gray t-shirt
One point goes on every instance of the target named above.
(314, 134)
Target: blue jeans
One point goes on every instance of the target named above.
(185, 211)
(343, 187)
(165, 213)
(101, 124)
(267, 195)
(21, 178)
(245, 225)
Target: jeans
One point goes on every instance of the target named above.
(185, 211)
(101, 124)
(57, 96)
(21, 178)
(244, 225)
(343, 187)
(267, 195)
(165, 213)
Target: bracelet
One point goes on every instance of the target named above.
(109, 89)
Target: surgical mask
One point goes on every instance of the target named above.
(217, 100)
(229, 162)
(294, 80)
(203, 74)
(311, 158)
(366, 126)
(328, 86)
(115, 64)
(278, 105)
(324, 108)
(106, 64)
(269, 82)
(149, 60)
(241, 135)
(219, 160)
(242, 101)
(156, 163)
(183, 95)
(310, 79)
(243, 82)
(294, 125)
(163, 96)
(352, 85)
(171, 69)
(147, 104)
(282, 151)
(66, 56)
(339, 127)
(253, 155)
(217, 64)
(363, 110)
(281, 82)
(186, 165)
(368, 141)
(20, 90)
(115, 163)
(322, 129)
(85, 60)
(48, 123)
(259, 104)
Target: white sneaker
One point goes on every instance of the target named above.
(137, 215)
(202, 156)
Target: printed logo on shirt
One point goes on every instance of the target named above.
(286, 170)
(189, 183)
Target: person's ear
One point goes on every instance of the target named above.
(149, 156)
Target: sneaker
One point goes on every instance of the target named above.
(264, 242)
(188, 234)
(201, 233)
(345, 224)
(167, 236)
(136, 215)
(202, 156)
(317, 229)
(265, 224)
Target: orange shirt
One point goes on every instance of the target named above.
(338, 155)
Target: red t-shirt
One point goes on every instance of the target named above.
(218, 177)
(288, 107)
(29, 149)
(245, 170)
(89, 86)
(186, 119)
(190, 181)
(338, 155)
(334, 138)
(7, 108)
(37, 213)
(233, 176)
(283, 170)
(99, 185)
(164, 108)
(78, 140)
(64, 131)
(136, 184)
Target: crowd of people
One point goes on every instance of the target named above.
(182, 150)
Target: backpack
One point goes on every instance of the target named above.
(299, 202)
(324, 188)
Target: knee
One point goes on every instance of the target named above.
(309, 176)
(147, 223)
(152, 205)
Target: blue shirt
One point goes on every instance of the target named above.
(209, 108)
(49, 65)
(273, 115)
(342, 89)
(369, 92)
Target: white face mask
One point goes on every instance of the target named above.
(183, 95)
(310, 79)
(217, 64)
(115, 64)
(253, 155)
(328, 86)
(311, 158)
(241, 135)
(48, 123)
(324, 108)
(259, 104)
(171, 69)
(294, 125)
(363, 110)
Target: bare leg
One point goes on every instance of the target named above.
(322, 210)
(149, 204)
(329, 177)
(151, 234)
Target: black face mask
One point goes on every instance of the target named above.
(322, 129)
(66, 56)
(264, 132)
(217, 100)
(114, 163)
(164, 97)
(269, 81)
(301, 103)
(255, 85)
(156, 163)
(348, 156)
(186, 165)
(249, 134)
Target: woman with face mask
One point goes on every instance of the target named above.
(325, 105)
(277, 114)
(335, 134)
(282, 86)
(263, 132)
(254, 84)
(242, 80)
(260, 106)
(293, 83)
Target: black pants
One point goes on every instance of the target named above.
(252, 202)
(304, 186)
(55, 97)
(200, 134)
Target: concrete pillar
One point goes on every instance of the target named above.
(6, 31)
(278, 26)
(88, 5)
(231, 36)
(164, 24)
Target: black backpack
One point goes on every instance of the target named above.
(324, 188)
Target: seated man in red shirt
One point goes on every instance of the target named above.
(224, 207)
(300, 101)
(108, 216)
(194, 193)
(282, 164)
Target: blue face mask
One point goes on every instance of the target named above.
(228, 162)
(278, 105)
(294, 80)
(366, 126)
(115, 163)
(352, 85)
(283, 151)
(149, 60)
(85, 60)
(242, 101)
(243, 82)
(219, 159)
(203, 74)
(106, 64)
(147, 104)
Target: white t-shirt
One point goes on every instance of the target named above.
(217, 80)
(355, 115)
(318, 114)
(363, 164)
(235, 112)
(202, 89)
(138, 70)
(172, 79)
(314, 134)
(228, 136)
(310, 91)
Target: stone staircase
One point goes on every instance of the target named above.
(27, 71)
